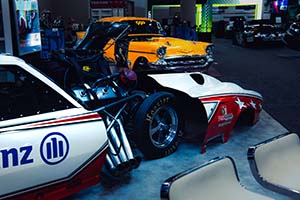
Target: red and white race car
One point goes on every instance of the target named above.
(54, 140)
(50, 145)
(223, 103)
(56, 135)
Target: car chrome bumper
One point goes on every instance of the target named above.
(184, 63)
(269, 38)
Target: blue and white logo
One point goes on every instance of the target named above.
(54, 148)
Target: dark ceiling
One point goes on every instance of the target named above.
(169, 2)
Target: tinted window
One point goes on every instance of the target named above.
(145, 26)
(22, 94)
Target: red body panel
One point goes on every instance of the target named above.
(226, 114)
(88, 176)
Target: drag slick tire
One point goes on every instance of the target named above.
(157, 126)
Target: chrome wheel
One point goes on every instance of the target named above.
(163, 126)
(157, 125)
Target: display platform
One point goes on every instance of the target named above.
(144, 183)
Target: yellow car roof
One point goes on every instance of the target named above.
(120, 19)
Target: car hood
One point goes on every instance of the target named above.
(98, 34)
(174, 46)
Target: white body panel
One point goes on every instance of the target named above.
(33, 168)
(211, 87)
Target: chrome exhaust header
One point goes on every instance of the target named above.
(120, 157)
(133, 161)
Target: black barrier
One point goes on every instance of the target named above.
(205, 36)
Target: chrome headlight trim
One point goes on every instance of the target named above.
(248, 31)
(161, 51)
(210, 49)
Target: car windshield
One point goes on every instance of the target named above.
(145, 27)
(260, 22)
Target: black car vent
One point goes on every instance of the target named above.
(198, 78)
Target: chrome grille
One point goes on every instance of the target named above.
(186, 61)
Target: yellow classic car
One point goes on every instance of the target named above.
(143, 43)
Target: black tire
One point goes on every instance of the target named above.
(291, 42)
(141, 64)
(157, 126)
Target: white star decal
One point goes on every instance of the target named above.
(240, 103)
(253, 104)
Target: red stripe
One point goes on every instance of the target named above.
(218, 97)
(93, 116)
